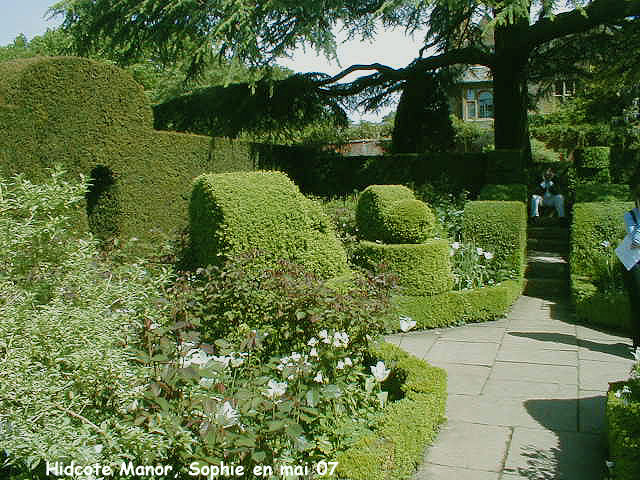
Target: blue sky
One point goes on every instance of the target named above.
(391, 48)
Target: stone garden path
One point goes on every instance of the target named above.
(526, 393)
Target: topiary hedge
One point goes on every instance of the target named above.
(505, 166)
(231, 213)
(596, 229)
(391, 214)
(408, 426)
(608, 192)
(93, 117)
(499, 227)
(623, 432)
(512, 192)
(422, 269)
(592, 164)
(452, 308)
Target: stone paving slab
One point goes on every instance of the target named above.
(526, 395)
(526, 390)
(543, 454)
(430, 471)
(509, 412)
(470, 446)
(464, 379)
(540, 356)
(470, 353)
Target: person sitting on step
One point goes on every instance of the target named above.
(549, 197)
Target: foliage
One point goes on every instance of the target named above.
(541, 154)
(342, 212)
(471, 136)
(510, 192)
(422, 120)
(232, 213)
(447, 202)
(473, 267)
(66, 319)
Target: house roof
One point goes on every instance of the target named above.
(476, 73)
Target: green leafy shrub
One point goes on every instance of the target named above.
(342, 212)
(474, 268)
(592, 164)
(458, 307)
(513, 192)
(421, 269)
(541, 154)
(447, 201)
(66, 318)
(589, 193)
(623, 424)
(372, 210)
(232, 213)
(499, 227)
(407, 426)
(505, 166)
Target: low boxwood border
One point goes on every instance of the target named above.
(455, 307)
(409, 425)
(606, 309)
(623, 434)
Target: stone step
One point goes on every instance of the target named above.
(546, 287)
(547, 270)
(548, 245)
(548, 232)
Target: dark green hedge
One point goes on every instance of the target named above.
(505, 166)
(452, 308)
(592, 164)
(391, 214)
(422, 269)
(409, 425)
(594, 223)
(624, 164)
(498, 227)
(88, 115)
(513, 192)
(608, 192)
(623, 434)
(609, 309)
(232, 213)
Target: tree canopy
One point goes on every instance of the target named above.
(504, 35)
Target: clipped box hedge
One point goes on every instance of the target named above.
(408, 426)
(512, 192)
(422, 269)
(451, 308)
(89, 117)
(623, 434)
(592, 164)
(608, 309)
(609, 192)
(391, 214)
(498, 227)
(505, 166)
(231, 213)
(594, 223)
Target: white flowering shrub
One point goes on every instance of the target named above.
(474, 267)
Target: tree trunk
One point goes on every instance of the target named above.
(510, 93)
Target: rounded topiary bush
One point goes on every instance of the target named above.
(409, 221)
(391, 214)
(232, 213)
(422, 269)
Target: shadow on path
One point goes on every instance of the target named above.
(570, 455)
(619, 349)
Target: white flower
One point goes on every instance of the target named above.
(226, 416)
(236, 362)
(276, 389)
(380, 372)
(455, 245)
(295, 356)
(618, 394)
(636, 354)
(340, 339)
(313, 353)
(318, 377)
(196, 357)
(206, 381)
(340, 365)
(324, 335)
(479, 251)
(605, 244)
(610, 464)
(451, 253)
(348, 362)
(406, 323)
(488, 255)
(223, 360)
(313, 341)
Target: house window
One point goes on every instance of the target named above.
(478, 104)
(563, 89)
